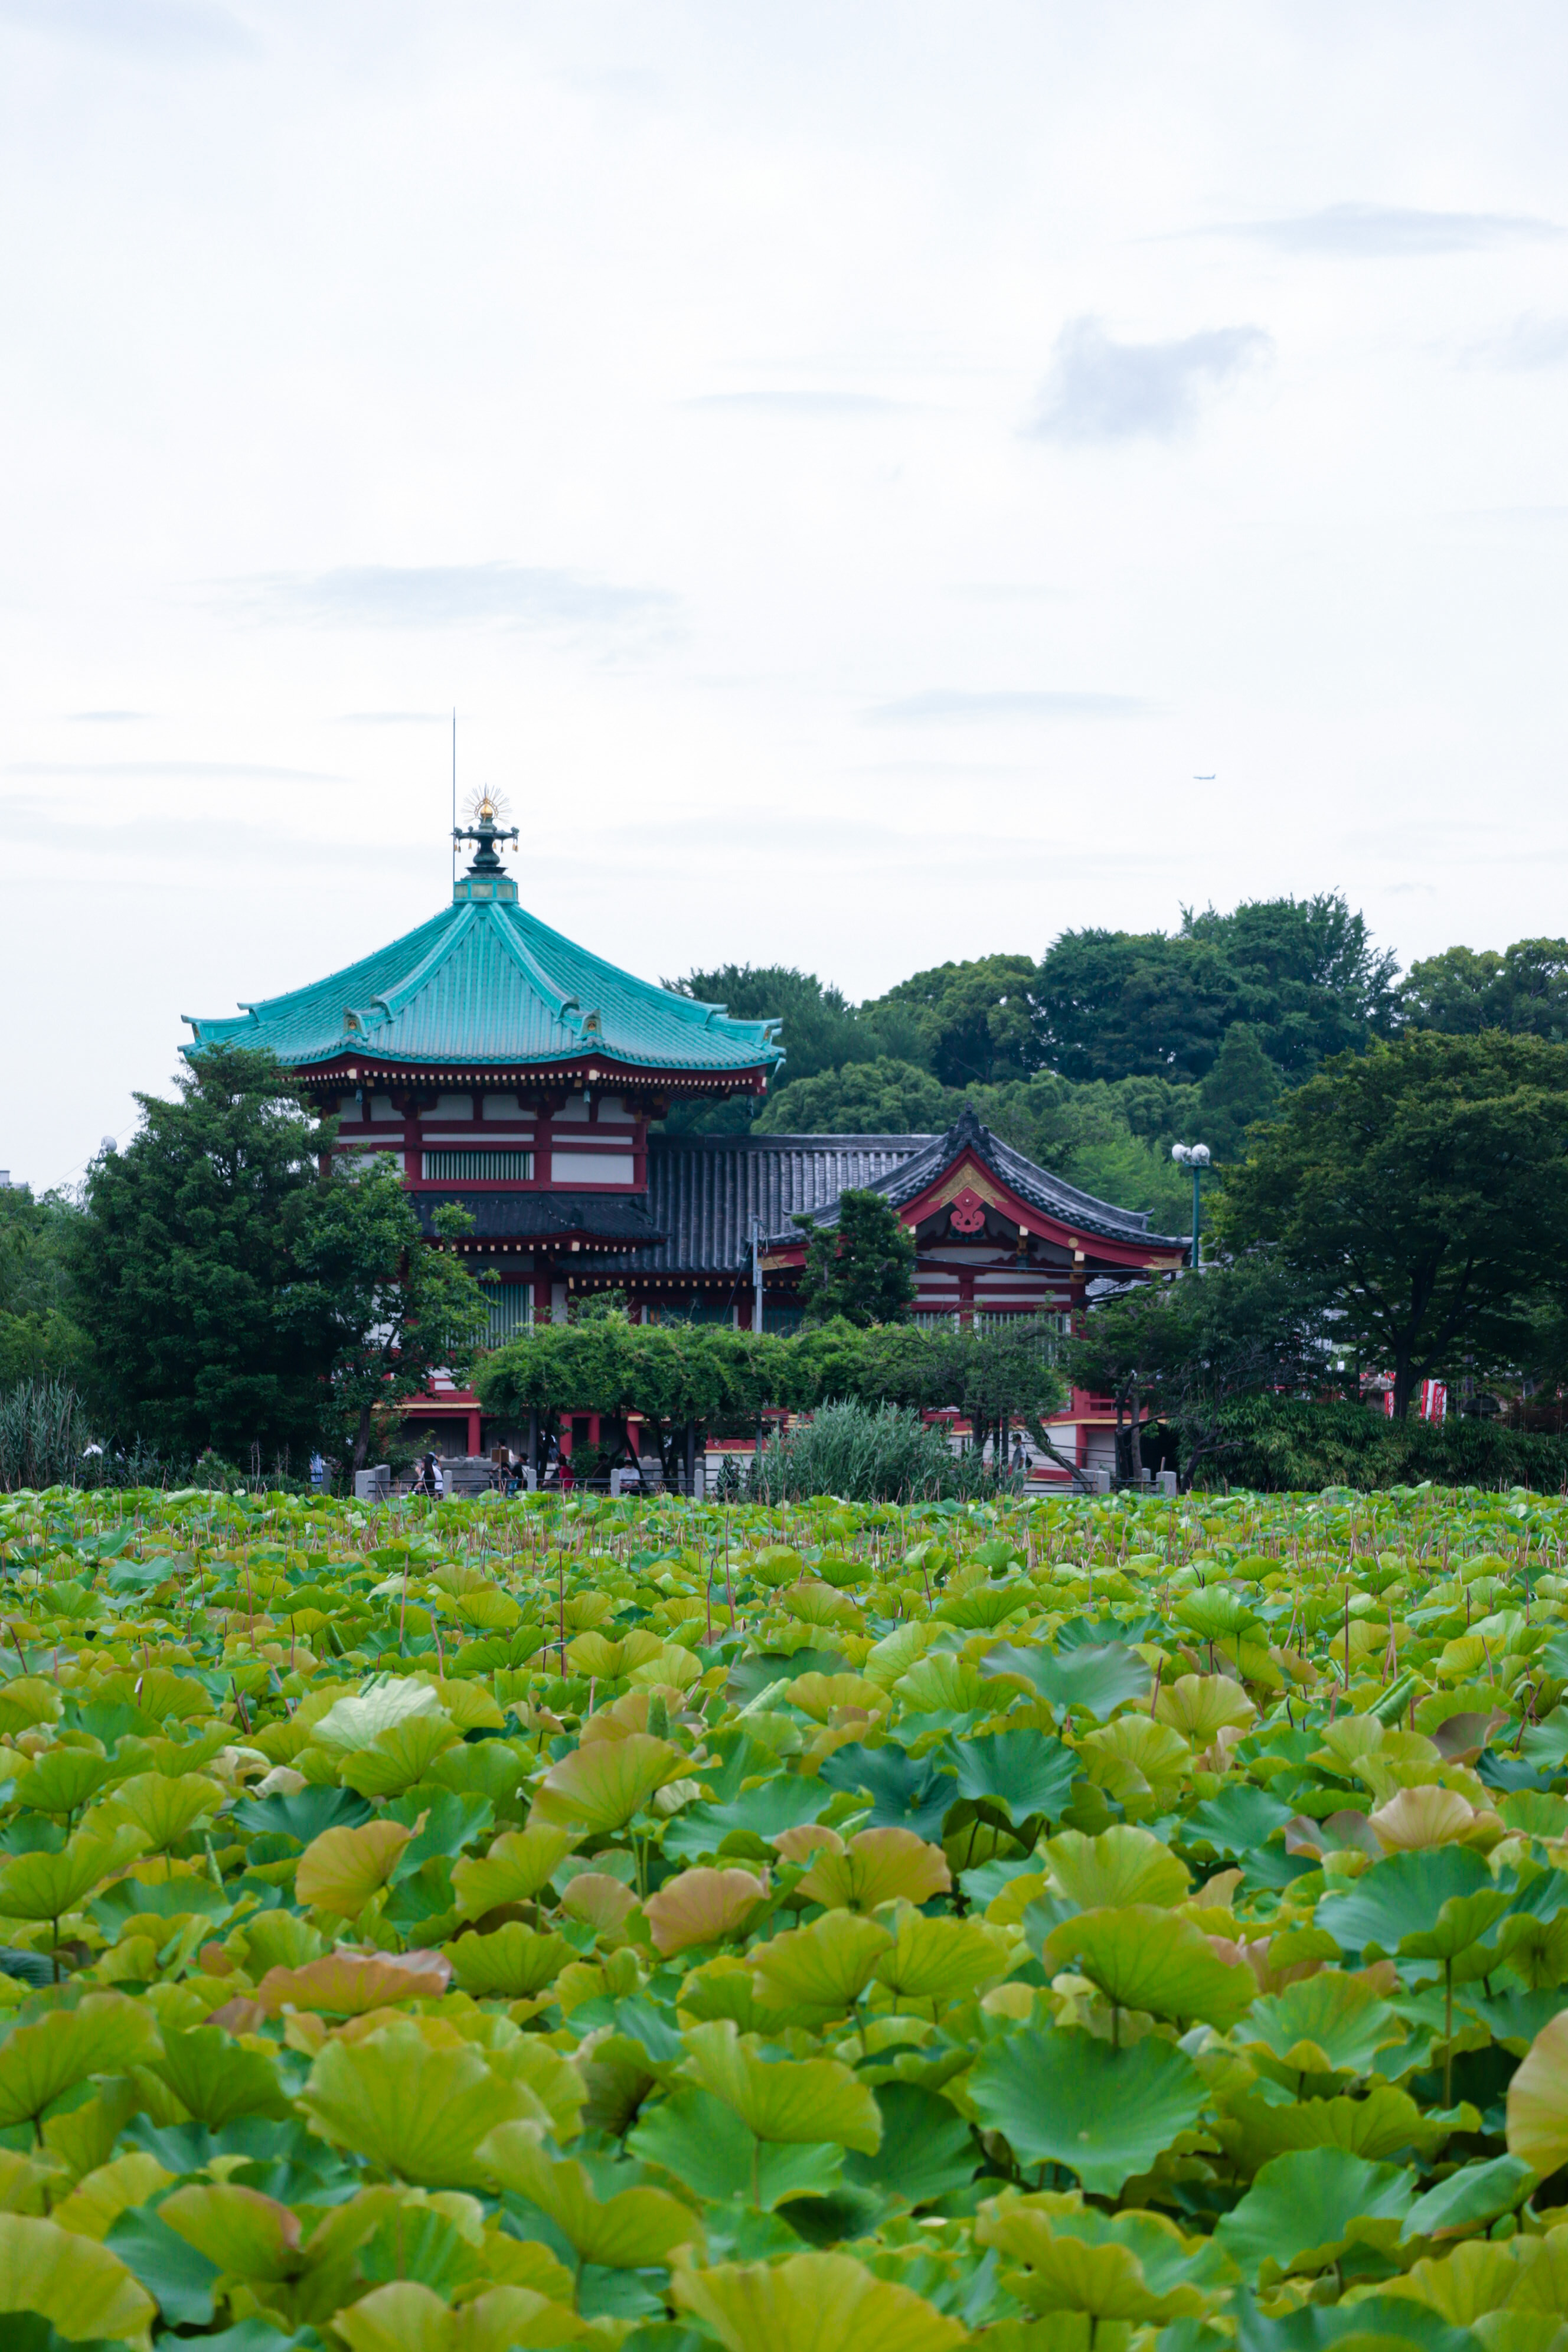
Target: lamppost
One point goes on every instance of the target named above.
(1195, 1156)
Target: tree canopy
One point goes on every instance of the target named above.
(1524, 990)
(1424, 1185)
(862, 1268)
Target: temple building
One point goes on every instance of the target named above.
(514, 1072)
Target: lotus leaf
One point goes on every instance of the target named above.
(399, 1755)
(810, 2302)
(825, 1967)
(405, 2316)
(905, 1794)
(1304, 2210)
(1122, 1864)
(703, 1907)
(107, 2034)
(602, 1787)
(877, 1867)
(1066, 2098)
(356, 1720)
(513, 1961)
(625, 2232)
(1538, 2100)
(1197, 1705)
(1326, 2024)
(1132, 2266)
(346, 1983)
(215, 2078)
(1098, 1677)
(416, 2110)
(1432, 1905)
(702, 2143)
(516, 1866)
(81, 2289)
(1143, 1957)
(791, 2100)
(341, 1870)
(48, 1886)
(941, 1960)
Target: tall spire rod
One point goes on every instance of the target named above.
(453, 791)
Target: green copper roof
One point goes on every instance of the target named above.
(487, 983)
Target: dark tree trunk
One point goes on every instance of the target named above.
(362, 1437)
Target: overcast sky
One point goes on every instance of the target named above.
(880, 483)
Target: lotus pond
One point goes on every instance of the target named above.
(1070, 1924)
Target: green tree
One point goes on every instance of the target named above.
(863, 1267)
(1303, 972)
(1242, 1086)
(1187, 1350)
(1524, 989)
(185, 1266)
(1424, 1184)
(392, 1309)
(1083, 1134)
(819, 1030)
(880, 1097)
(979, 1020)
(40, 1336)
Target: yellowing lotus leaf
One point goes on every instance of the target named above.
(824, 1967)
(625, 2233)
(595, 1653)
(399, 1755)
(105, 2034)
(416, 2111)
(1142, 1956)
(818, 1695)
(1434, 1816)
(48, 1886)
(528, 2059)
(516, 1866)
(238, 2228)
(941, 1960)
(63, 1781)
(161, 1808)
(1122, 1864)
(604, 1903)
(1197, 1705)
(487, 1609)
(813, 2302)
(791, 2100)
(80, 2288)
(602, 1787)
(702, 1906)
(407, 2317)
(99, 2198)
(510, 1964)
(27, 1699)
(346, 1983)
(1127, 2266)
(1538, 2099)
(673, 1669)
(341, 1870)
(877, 1867)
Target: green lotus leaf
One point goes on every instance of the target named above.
(702, 2142)
(624, 2233)
(1326, 2024)
(107, 2034)
(807, 2099)
(1216, 1613)
(83, 2290)
(1382, 2124)
(1067, 2098)
(810, 2302)
(339, 1871)
(1304, 2210)
(416, 2111)
(927, 2149)
(1025, 1772)
(1130, 2266)
(405, 2316)
(1429, 1905)
(217, 2078)
(906, 1792)
(1142, 1956)
(1470, 2198)
(62, 1780)
(876, 1866)
(1099, 1677)
(745, 1825)
(1122, 1865)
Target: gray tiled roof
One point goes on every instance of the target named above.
(550, 1216)
(704, 1189)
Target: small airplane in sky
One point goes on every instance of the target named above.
(1203, 780)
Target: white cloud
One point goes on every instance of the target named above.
(1099, 390)
(937, 708)
(1392, 232)
(448, 596)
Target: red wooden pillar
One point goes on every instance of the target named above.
(474, 1436)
